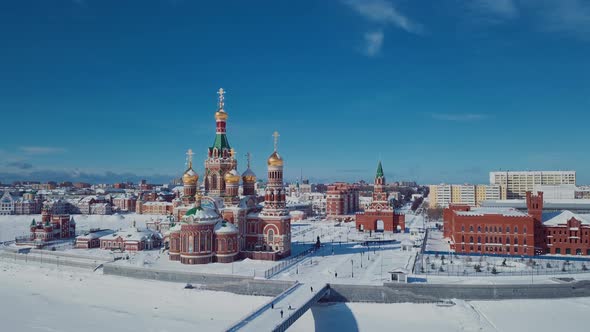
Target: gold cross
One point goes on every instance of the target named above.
(248, 158)
(189, 158)
(276, 138)
(221, 92)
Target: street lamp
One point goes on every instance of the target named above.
(352, 267)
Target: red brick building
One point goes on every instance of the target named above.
(342, 199)
(567, 233)
(51, 228)
(511, 232)
(380, 216)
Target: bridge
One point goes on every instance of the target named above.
(293, 302)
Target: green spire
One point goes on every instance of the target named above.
(379, 170)
(33, 223)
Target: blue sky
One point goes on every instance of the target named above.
(439, 90)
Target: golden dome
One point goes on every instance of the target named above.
(248, 176)
(221, 115)
(232, 177)
(275, 159)
(190, 177)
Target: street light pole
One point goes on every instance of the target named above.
(352, 267)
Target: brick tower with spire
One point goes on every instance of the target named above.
(380, 216)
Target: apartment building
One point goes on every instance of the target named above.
(443, 195)
(518, 183)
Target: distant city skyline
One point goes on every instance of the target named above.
(110, 91)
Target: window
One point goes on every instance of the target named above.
(479, 229)
(524, 241)
(507, 229)
(558, 250)
(486, 229)
(515, 229)
(515, 240)
(500, 229)
(462, 228)
(271, 234)
(495, 229)
(524, 230)
(578, 251)
(471, 228)
(471, 240)
(568, 251)
(479, 240)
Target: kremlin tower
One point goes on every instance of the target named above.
(220, 156)
(380, 216)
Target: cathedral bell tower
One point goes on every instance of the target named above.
(220, 156)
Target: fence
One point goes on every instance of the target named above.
(288, 262)
(467, 265)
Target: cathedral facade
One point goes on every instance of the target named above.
(222, 225)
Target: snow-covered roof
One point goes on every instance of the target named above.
(224, 227)
(485, 210)
(131, 234)
(561, 218)
(202, 214)
(95, 235)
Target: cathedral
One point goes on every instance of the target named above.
(220, 224)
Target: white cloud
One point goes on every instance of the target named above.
(373, 42)
(568, 16)
(458, 117)
(383, 12)
(41, 149)
(504, 9)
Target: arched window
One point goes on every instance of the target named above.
(479, 229)
(524, 230)
(507, 229)
(462, 228)
(471, 228)
(271, 235)
(471, 239)
(515, 229)
(479, 239)
(462, 238)
(191, 243)
(495, 229)
(524, 241)
(515, 240)
(500, 229)
(486, 229)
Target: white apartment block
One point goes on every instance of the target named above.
(518, 183)
(442, 195)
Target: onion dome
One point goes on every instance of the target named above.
(232, 176)
(248, 176)
(220, 115)
(275, 159)
(190, 177)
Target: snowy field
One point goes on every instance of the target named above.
(505, 316)
(66, 299)
(48, 299)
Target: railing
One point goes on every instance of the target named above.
(283, 265)
(248, 318)
(284, 325)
